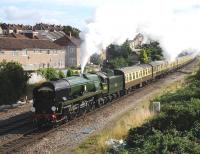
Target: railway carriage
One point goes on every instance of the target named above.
(135, 76)
(160, 68)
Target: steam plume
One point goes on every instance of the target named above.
(174, 23)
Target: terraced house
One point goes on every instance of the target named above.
(72, 49)
(32, 53)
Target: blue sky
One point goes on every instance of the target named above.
(67, 12)
(64, 12)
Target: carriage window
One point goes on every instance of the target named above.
(143, 72)
(136, 75)
(130, 77)
(133, 76)
(140, 73)
(126, 77)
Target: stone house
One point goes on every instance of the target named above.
(31, 53)
(1, 31)
(136, 42)
(72, 49)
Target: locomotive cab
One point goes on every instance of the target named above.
(46, 100)
(43, 100)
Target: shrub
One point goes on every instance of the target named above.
(69, 73)
(13, 82)
(51, 73)
(61, 74)
(176, 129)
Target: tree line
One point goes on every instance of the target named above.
(122, 55)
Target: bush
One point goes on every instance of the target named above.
(13, 82)
(176, 129)
(48, 73)
(61, 74)
(51, 73)
(69, 73)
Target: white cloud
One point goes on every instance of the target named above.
(14, 14)
(174, 23)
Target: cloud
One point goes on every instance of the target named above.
(88, 3)
(14, 14)
(174, 23)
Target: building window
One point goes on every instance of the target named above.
(1, 52)
(25, 53)
(15, 53)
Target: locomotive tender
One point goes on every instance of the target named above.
(64, 99)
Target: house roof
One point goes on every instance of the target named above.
(18, 44)
(65, 40)
(19, 36)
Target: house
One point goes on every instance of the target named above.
(33, 54)
(1, 31)
(72, 47)
(103, 54)
(136, 42)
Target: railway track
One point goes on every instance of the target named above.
(11, 124)
(34, 135)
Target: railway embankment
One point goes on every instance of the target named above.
(176, 129)
(119, 135)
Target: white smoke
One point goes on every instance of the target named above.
(174, 23)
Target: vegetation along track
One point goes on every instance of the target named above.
(34, 135)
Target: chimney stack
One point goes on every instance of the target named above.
(70, 34)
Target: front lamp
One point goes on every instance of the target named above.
(53, 108)
(32, 109)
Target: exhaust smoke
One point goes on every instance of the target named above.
(174, 23)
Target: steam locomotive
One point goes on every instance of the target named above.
(64, 99)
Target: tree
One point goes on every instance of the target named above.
(119, 62)
(113, 51)
(143, 56)
(120, 55)
(126, 49)
(49, 73)
(13, 82)
(96, 59)
(153, 49)
(69, 29)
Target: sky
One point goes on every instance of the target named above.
(174, 23)
(64, 12)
